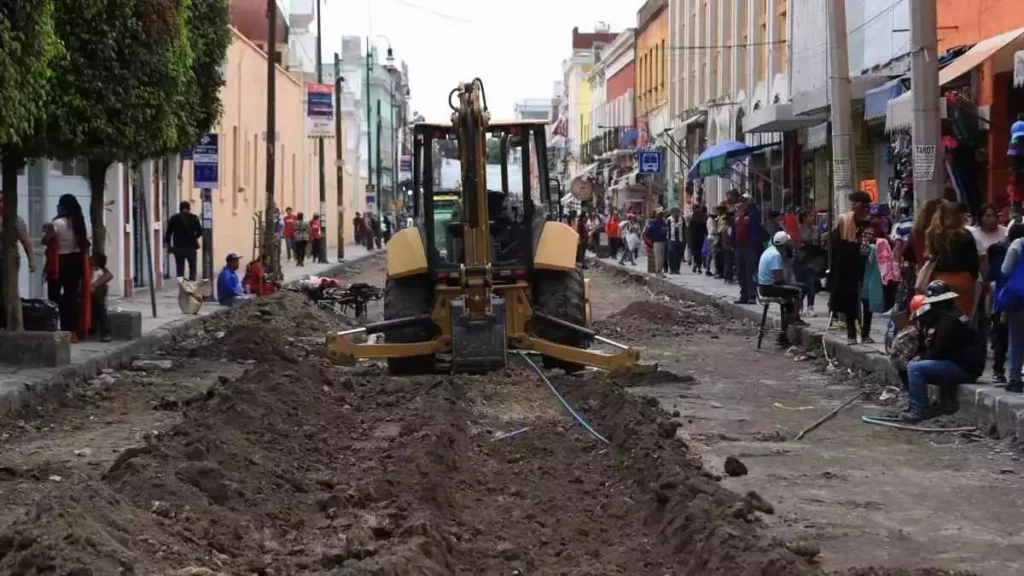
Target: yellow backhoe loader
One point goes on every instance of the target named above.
(490, 271)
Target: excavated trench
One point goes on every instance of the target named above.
(286, 464)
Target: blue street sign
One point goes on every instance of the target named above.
(205, 165)
(650, 161)
(186, 154)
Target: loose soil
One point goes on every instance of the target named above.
(302, 466)
(250, 453)
(660, 317)
(866, 495)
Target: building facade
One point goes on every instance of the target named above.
(534, 109)
(577, 95)
(389, 94)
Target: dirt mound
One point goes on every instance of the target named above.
(900, 572)
(646, 319)
(298, 466)
(263, 328)
(309, 467)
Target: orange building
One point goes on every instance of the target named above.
(963, 22)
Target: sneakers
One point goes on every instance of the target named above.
(910, 416)
(867, 340)
(1015, 387)
(999, 378)
(809, 312)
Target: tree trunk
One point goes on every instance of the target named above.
(98, 186)
(10, 163)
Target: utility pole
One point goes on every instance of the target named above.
(394, 149)
(339, 151)
(271, 248)
(380, 166)
(322, 248)
(369, 151)
(842, 109)
(924, 69)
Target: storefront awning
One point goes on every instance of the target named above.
(900, 111)
(625, 181)
(697, 118)
(817, 100)
(779, 118)
(588, 170)
(876, 100)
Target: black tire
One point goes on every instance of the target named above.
(560, 295)
(404, 297)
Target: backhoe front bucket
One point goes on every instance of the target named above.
(343, 351)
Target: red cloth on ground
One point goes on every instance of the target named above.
(85, 320)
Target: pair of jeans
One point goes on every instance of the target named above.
(289, 245)
(71, 274)
(300, 252)
(942, 373)
(809, 282)
(184, 256)
(1015, 350)
(746, 273)
(100, 320)
(728, 270)
(1000, 342)
(676, 250)
(627, 254)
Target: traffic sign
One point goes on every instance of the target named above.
(650, 161)
(205, 165)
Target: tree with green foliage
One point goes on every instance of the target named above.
(29, 47)
(209, 36)
(123, 93)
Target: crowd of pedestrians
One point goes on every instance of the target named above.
(950, 282)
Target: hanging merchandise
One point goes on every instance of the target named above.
(1015, 181)
(901, 181)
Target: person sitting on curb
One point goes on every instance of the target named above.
(953, 353)
(229, 288)
(909, 344)
(771, 283)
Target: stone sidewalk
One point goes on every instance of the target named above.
(19, 385)
(987, 404)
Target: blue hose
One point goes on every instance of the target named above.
(565, 404)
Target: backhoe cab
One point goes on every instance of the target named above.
(488, 266)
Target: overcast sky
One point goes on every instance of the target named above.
(515, 46)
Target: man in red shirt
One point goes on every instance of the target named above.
(611, 228)
(314, 237)
(289, 231)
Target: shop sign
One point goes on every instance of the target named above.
(817, 137)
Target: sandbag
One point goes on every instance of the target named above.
(190, 295)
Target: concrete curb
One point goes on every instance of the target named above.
(992, 408)
(44, 384)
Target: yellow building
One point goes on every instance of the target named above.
(651, 57)
(586, 129)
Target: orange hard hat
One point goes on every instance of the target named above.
(915, 303)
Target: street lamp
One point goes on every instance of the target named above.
(369, 75)
(396, 78)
